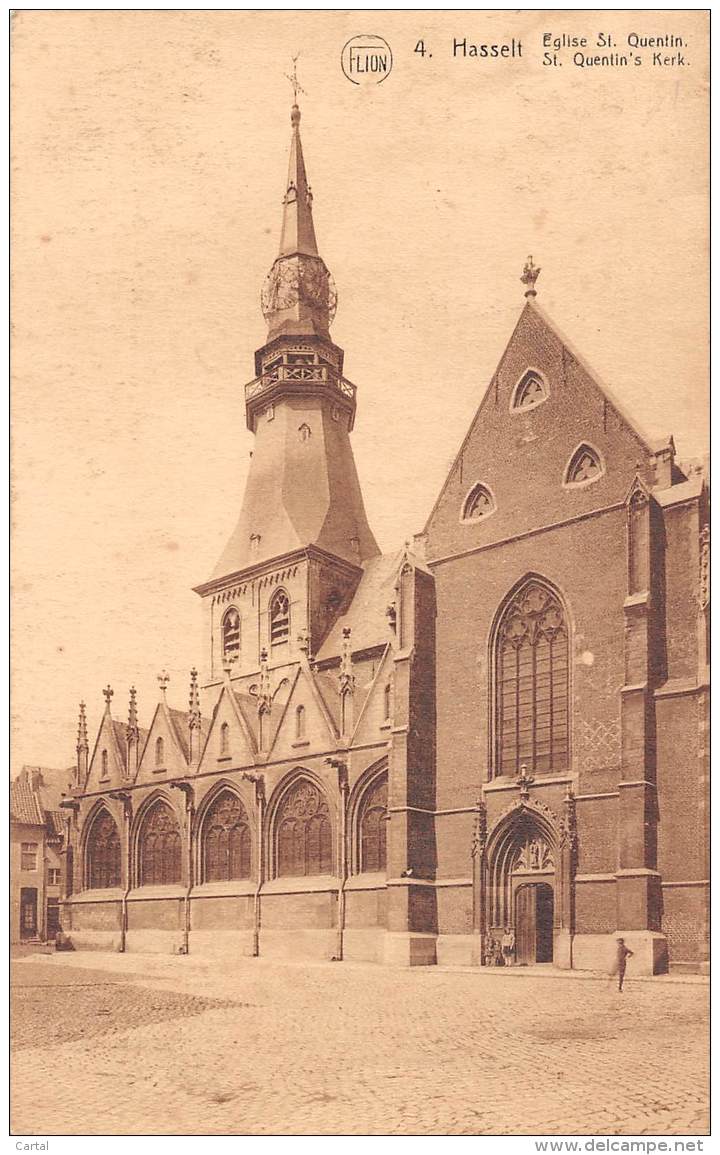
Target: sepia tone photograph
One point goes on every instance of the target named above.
(360, 573)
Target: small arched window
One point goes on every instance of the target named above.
(279, 618)
(531, 683)
(300, 722)
(104, 764)
(224, 739)
(373, 827)
(227, 840)
(102, 853)
(159, 752)
(231, 634)
(530, 391)
(478, 503)
(584, 466)
(304, 834)
(159, 847)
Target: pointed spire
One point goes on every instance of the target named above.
(347, 678)
(132, 714)
(194, 717)
(133, 734)
(82, 749)
(264, 698)
(299, 295)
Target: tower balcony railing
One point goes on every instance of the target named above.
(312, 374)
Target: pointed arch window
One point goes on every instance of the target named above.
(279, 618)
(231, 634)
(159, 753)
(227, 840)
(584, 467)
(478, 504)
(102, 853)
(373, 827)
(531, 680)
(159, 847)
(530, 391)
(224, 739)
(300, 723)
(104, 764)
(303, 832)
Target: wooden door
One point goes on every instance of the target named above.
(28, 912)
(525, 925)
(544, 907)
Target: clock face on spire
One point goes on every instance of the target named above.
(297, 280)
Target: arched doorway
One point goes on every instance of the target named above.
(534, 915)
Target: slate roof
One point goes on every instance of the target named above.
(366, 615)
(35, 797)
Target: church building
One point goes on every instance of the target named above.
(397, 757)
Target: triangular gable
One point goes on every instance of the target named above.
(174, 760)
(239, 747)
(107, 742)
(318, 729)
(371, 723)
(520, 455)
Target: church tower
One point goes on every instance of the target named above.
(296, 555)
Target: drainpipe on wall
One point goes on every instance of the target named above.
(259, 780)
(342, 772)
(189, 793)
(125, 798)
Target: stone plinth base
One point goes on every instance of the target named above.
(458, 950)
(154, 941)
(95, 939)
(410, 949)
(597, 952)
(317, 945)
(225, 944)
(361, 945)
(563, 950)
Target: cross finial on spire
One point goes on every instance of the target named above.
(296, 86)
(529, 276)
(163, 680)
(107, 694)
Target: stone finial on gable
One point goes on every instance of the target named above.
(347, 678)
(107, 695)
(194, 716)
(264, 696)
(133, 735)
(82, 738)
(82, 748)
(132, 715)
(529, 276)
(163, 682)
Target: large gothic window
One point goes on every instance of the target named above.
(304, 833)
(160, 847)
(231, 634)
(279, 618)
(373, 826)
(227, 840)
(532, 683)
(102, 853)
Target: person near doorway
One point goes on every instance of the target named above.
(623, 954)
(508, 946)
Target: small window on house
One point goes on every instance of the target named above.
(104, 764)
(478, 503)
(279, 618)
(159, 752)
(28, 855)
(300, 722)
(231, 633)
(530, 391)
(584, 466)
(224, 739)
(53, 876)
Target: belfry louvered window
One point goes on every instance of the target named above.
(102, 854)
(279, 618)
(227, 839)
(160, 847)
(532, 683)
(231, 634)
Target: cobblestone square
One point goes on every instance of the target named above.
(128, 1044)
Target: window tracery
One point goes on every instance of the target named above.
(102, 854)
(530, 391)
(304, 832)
(159, 847)
(231, 633)
(584, 466)
(532, 707)
(279, 618)
(227, 840)
(478, 503)
(373, 827)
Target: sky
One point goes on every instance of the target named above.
(149, 162)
